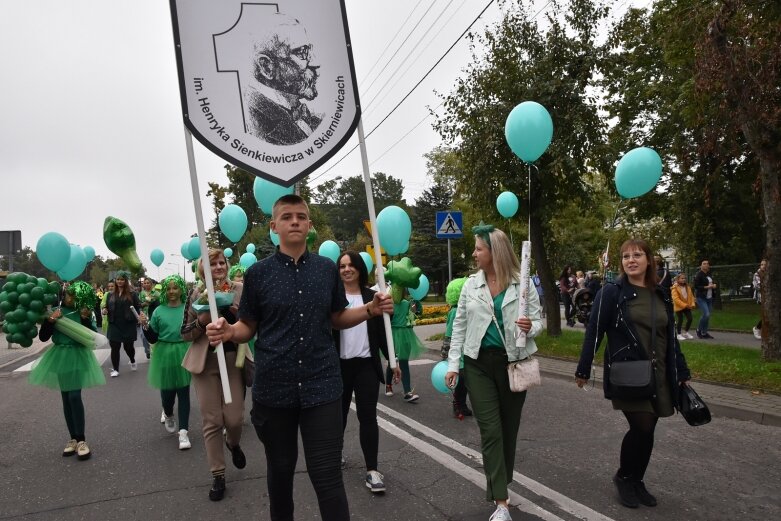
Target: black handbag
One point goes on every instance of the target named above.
(632, 379)
(692, 407)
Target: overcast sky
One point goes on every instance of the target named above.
(92, 121)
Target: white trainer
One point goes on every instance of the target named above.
(162, 417)
(374, 481)
(114, 373)
(689, 335)
(681, 337)
(184, 441)
(500, 514)
(170, 424)
(757, 333)
(133, 366)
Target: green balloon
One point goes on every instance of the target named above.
(13, 297)
(26, 342)
(37, 293)
(42, 283)
(33, 316)
(9, 286)
(32, 332)
(36, 305)
(17, 277)
(54, 287)
(19, 315)
(5, 307)
(32, 280)
(25, 299)
(3, 296)
(25, 287)
(24, 325)
(6, 327)
(17, 338)
(10, 329)
(49, 299)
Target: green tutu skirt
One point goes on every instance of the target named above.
(408, 345)
(165, 367)
(67, 368)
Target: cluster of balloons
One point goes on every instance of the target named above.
(58, 255)
(191, 249)
(23, 301)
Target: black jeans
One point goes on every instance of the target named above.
(130, 349)
(360, 376)
(322, 437)
(569, 310)
(168, 397)
(679, 315)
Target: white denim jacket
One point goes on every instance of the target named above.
(474, 316)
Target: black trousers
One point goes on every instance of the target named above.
(322, 437)
(359, 376)
(130, 349)
(73, 408)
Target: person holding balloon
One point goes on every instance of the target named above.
(68, 365)
(163, 329)
(484, 332)
(201, 361)
(359, 350)
(123, 320)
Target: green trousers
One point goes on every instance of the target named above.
(498, 414)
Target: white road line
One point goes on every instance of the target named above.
(100, 354)
(422, 361)
(565, 503)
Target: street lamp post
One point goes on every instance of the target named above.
(184, 268)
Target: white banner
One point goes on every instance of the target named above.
(269, 87)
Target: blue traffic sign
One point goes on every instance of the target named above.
(450, 225)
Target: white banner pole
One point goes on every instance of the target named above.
(376, 241)
(523, 298)
(207, 272)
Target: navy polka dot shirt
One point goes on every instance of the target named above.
(296, 364)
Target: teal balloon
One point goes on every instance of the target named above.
(250, 248)
(274, 236)
(266, 193)
(233, 222)
(331, 250)
(528, 130)
(185, 250)
(157, 256)
(638, 172)
(394, 227)
(89, 253)
(421, 291)
(248, 259)
(194, 247)
(53, 250)
(228, 252)
(438, 373)
(367, 259)
(507, 204)
(75, 265)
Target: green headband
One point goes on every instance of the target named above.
(484, 232)
(122, 274)
(83, 295)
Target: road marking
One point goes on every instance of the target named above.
(422, 361)
(100, 354)
(565, 503)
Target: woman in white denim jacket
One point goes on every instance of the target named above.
(493, 292)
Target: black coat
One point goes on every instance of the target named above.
(609, 316)
(377, 342)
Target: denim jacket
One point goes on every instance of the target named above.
(474, 315)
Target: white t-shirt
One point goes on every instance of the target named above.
(354, 342)
(709, 294)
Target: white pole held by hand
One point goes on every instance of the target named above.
(523, 300)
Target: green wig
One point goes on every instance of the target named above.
(83, 295)
(179, 281)
(238, 268)
(453, 291)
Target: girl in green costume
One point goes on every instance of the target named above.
(165, 368)
(68, 366)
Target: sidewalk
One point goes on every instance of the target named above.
(730, 402)
(18, 353)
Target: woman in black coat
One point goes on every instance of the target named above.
(359, 353)
(637, 316)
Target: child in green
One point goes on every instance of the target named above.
(165, 368)
(460, 409)
(69, 366)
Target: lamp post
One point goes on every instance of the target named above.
(184, 268)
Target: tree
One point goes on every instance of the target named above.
(740, 65)
(556, 69)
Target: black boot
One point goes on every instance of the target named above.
(465, 410)
(457, 413)
(626, 491)
(217, 492)
(238, 457)
(645, 497)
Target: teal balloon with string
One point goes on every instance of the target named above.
(507, 204)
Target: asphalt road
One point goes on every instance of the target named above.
(567, 453)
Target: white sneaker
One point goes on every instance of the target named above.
(162, 417)
(184, 441)
(757, 333)
(170, 424)
(374, 481)
(133, 366)
(681, 337)
(689, 335)
(114, 373)
(500, 514)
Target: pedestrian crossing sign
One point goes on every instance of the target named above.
(449, 225)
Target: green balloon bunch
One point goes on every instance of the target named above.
(23, 301)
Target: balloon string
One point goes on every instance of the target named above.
(509, 227)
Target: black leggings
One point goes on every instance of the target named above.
(569, 309)
(129, 349)
(680, 314)
(168, 397)
(360, 376)
(73, 408)
(638, 445)
(321, 436)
